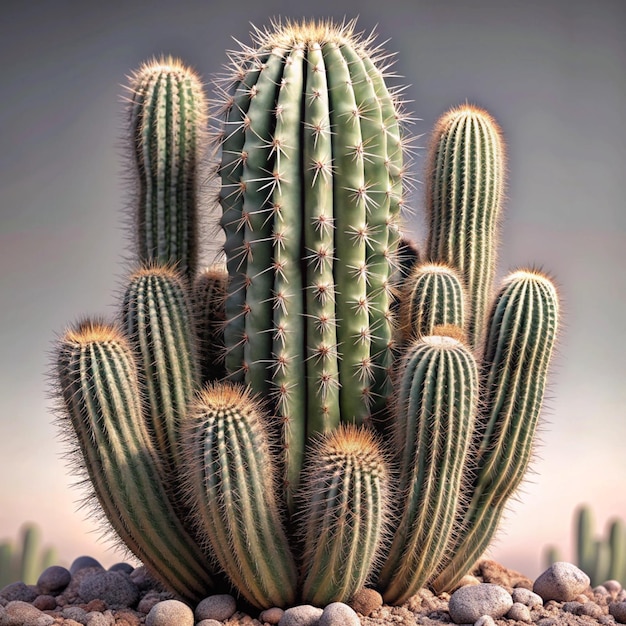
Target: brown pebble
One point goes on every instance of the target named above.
(45, 603)
(366, 601)
(126, 618)
(94, 605)
(271, 616)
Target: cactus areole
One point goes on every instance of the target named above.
(311, 190)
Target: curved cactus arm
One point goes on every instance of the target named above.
(231, 481)
(521, 334)
(100, 395)
(167, 114)
(463, 199)
(157, 319)
(344, 501)
(434, 420)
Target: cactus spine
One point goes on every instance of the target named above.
(231, 479)
(463, 203)
(167, 112)
(344, 500)
(437, 402)
(311, 174)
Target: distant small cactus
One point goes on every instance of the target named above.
(24, 561)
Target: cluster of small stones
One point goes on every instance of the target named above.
(89, 595)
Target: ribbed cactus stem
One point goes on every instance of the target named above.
(464, 194)
(167, 114)
(157, 319)
(312, 186)
(101, 397)
(231, 481)
(433, 296)
(436, 405)
(617, 549)
(518, 348)
(209, 298)
(343, 514)
(585, 540)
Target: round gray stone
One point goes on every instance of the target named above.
(170, 612)
(18, 591)
(116, 589)
(303, 615)
(519, 612)
(82, 562)
(561, 582)
(339, 614)
(219, 607)
(24, 614)
(527, 597)
(271, 616)
(54, 579)
(618, 611)
(469, 603)
(485, 620)
(122, 567)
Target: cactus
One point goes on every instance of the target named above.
(24, 562)
(270, 479)
(437, 401)
(344, 500)
(463, 203)
(167, 118)
(600, 558)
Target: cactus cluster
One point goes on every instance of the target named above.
(601, 558)
(325, 407)
(24, 560)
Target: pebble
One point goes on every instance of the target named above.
(122, 567)
(82, 562)
(54, 579)
(519, 612)
(18, 613)
(613, 586)
(75, 613)
(366, 601)
(170, 612)
(219, 607)
(527, 597)
(96, 618)
(618, 611)
(18, 591)
(303, 615)
(469, 603)
(208, 622)
(339, 614)
(45, 603)
(271, 616)
(485, 620)
(561, 582)
(114, 588)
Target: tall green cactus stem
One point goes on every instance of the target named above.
(157, 319)
(343, 514)
(434, 420)
(101, 402)
(311, 175)
(585, 541)
(434, 296)
(168, 114)
(232, 483)
(464, 193)
(209, 296)
(521, 334)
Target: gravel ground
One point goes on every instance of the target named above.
(90, 596)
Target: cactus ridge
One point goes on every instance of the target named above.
(434, 419)
(231, 480)
(465, 190)
(167, 117)
(344, 499)
(101, 397)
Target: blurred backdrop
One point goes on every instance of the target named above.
(552, 72)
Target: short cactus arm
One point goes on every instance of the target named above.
(101, 398)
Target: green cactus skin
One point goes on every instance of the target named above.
(465, 183)
(434, 420)
(167, 118)
(585, 541)
(434, 296)
(231, 481)
(617, 549)
(209, 296)
(309, 128)
(521, 334)
(24, 561)
(157, 319)
(29, 562)
(344, 512)
(101, 396)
